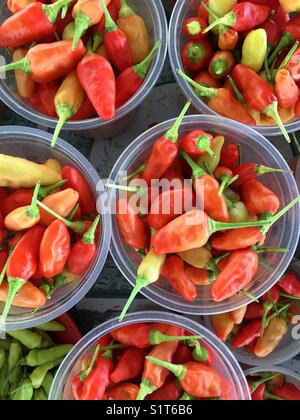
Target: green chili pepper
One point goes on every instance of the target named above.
(46, 339)
(3, 380)
(5, 344)
(24, 391)
(210, 163)
(28, 338)
(39, 395)
(40, 357)
(2, 357)
(14, 367)
(38, 374)
(47, 383)
(52, 327)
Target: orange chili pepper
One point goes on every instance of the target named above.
(228, 40)
(24, 81)
(62, 203)
(221, 64)
(286, 89)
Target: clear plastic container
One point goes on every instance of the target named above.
(153, 13)
(225, 363)
(287, 349)
(285, 233)
(182, 10)
(291, 377)
(35, 145)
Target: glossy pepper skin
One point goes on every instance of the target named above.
(197, 55)
(259, 199)
(229, 156)
(205, 79)
(30, 24)
(20, 198)
(25, 84)
(228, 40)
(238, 273)
(247, 334)
(62, 202)
(55, 249)
(194, 27)
(123, 392)
(170, 391)
(221, 64)
(287, 391)
(47, 93)
(197, 143)
(290, 285)
(237, 239)
(132, 227)
(129, 366)
(173, 271)
(272, 336)
(286, 89)
(95, 384)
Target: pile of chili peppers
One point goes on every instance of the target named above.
(272, 386)
(150, 361)
(49, 230)
(75, 59)
(260, 327)
(29, 359)
(215, 244)
(242, 58)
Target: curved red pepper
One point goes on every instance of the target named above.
(95, 384)
(287, 391)
(170, 391)
(259, 199)
(129, 366)
(122, 392)
(230, 156)
(247, 334)
(250, 171)
(259, 393)
(237, 239)
(290, 285)
(19, 198)
(72, 333)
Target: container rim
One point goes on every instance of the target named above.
(152, 316)
(269, 368)
(27, 320)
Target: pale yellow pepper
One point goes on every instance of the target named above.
(54, 164)
(220, 8)
(290, 6)
(255, 49)
(271, 338)
(198, 257)
(211, 162)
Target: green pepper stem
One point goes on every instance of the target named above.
(64, 112)
(272, 111)
(200, 354)
(186, 397)
(141, 282)
(89, 236)
(266, 64)
(201, 91)
(262, 250)
(137, 190)
(83, 375)
(289, 56)
(146, 388)
(142, 68)
(45, 191)
(203, 144)
(97, 41)
(33, 211)
(237, 93)
(178, 370)
(21, 65)
(73, 212)
(125, 10)
(4, 270)
(256, 384)
(197, 171)
(219, 68)
(14, 286)
(226, 182)
(52, 10)
(78, 227)
(110, 24)
(286, 296)
(222, 28)
(139, 171)
(156, 337)
(173, 133)
(284, 42)
(250, 296)
(261, 170)
(267, 307)
(82, 24)
(228, 20)
(272, 397)
(277, 313)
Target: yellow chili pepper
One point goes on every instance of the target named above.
(147, 273)
(197, 257)
(24, 217)
(290, 6)
(67, 101)
(136, 32)
(54, 164)
(211, 162)
(271, 338)
(220, 8)
(17, 173)
(223, 325)
(255, 49)
(25, 83)
(69, 31)
(238, 315)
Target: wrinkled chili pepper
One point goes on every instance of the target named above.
(48, 62)
(272, 336)
(286, 89)
(229, 156)
(25, 85)
(174, 273)
(222, 101)
(197, 55)
(164, 151)
(264, 100)
(293, 68)
(228, 40)
(247, 334)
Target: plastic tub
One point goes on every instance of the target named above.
(182, 10)
(153, 13)
(225, 363)
(285, 233)
(35, 145)
(287, 349)
(291, 377)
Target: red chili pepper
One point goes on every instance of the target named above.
(95, 384)
(86, 111)
(244, 16)
(195, 378)
(273, 32)
(194, 27)
(237, 239)
(19, 198)
(197, 55)
(272, 295)
(77, 182)
(47, 93)
(116, 43)
(132, 78)
(251, 348)
(287, 392)
(132, 227)
(48, 62)
(3, 259)
(164, 151)
(258, 94)
(270, 3)
(77, 386)
(182, 355)
(205, 79)
(98, 80)
(286, 89)
(249, 171)
(230, 156)
(254, 311)
(281, 18)
(34, 22)
(202, 12)
(259, 199)
(293, 69)
(173, 271)
(259, 393)
(72, 333)
(238, 273)
(290, 285)
(129, 366)
(83, 252)
(55, 249)
(170, 391)
(35, 102)
(22, 264)
(113, 8)
(247, 334)
(123, 392)
(197, 143)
